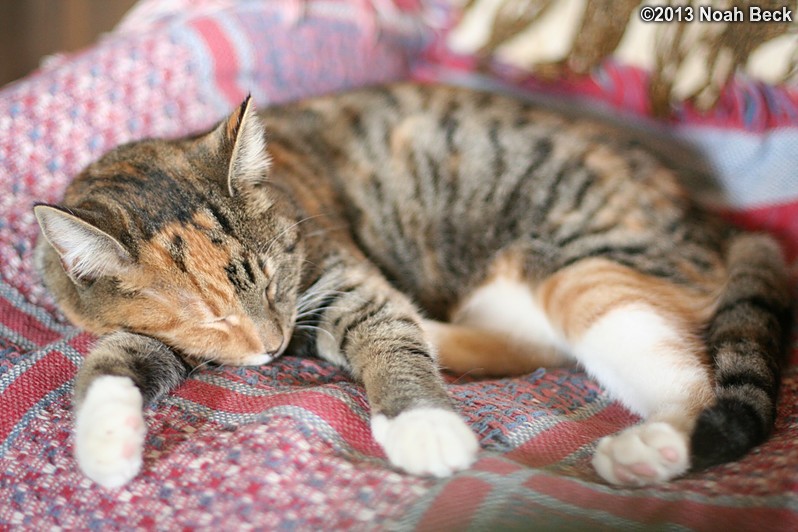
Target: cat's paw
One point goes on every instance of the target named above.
(109, 431)
(645, 454)
(426, 441)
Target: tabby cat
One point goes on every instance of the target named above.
(392, 229)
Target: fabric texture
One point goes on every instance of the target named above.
(288, 445)
(688, 58)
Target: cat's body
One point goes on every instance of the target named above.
(527, 239)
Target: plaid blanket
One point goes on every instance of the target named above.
(288, 445)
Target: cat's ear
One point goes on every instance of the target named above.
(86, 251)
(243, 137)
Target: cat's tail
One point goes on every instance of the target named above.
(747, 341)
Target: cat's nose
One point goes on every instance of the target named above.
(265, 358)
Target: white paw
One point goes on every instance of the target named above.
(426, 441)
(645, 454)
(109, 432)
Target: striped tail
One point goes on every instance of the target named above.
(747, 340)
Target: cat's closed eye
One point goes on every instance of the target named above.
(225, 320)
(270, 291)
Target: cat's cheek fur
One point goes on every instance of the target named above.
(110, 430)
(426, 441)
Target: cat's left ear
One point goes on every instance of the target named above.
(243, 137)
(87, 252)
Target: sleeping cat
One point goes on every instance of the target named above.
(393, 229)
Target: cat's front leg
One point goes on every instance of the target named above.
(122, 372)
(375, 332)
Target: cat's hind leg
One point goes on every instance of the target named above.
(653, 367)
(640, 338)
(121, 373)
(481, 352)
(499, 327)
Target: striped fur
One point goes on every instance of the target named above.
(746, 337)
(384, 227)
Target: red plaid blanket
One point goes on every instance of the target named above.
(288, 445)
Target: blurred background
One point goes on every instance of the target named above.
(32, 29)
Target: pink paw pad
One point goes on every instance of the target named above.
(643, 470)
(129, 450)
(134, 422)
(670, 454)
(642, 455)
(622, 474)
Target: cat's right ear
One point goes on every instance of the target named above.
(241, 139)
(86, 252)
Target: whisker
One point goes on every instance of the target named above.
(314, 295)
(315, 311)
(304, 327)
(281, 233)
(464, 375)
(324, 231)
(319, 297)
(307, 304)
(200, 366)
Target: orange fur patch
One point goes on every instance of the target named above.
(464, 349)
(574, 299)
(182, 306)
(579, 295)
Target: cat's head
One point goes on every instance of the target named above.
(185, 241)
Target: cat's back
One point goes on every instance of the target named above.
(435, 180)
(455, 160)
